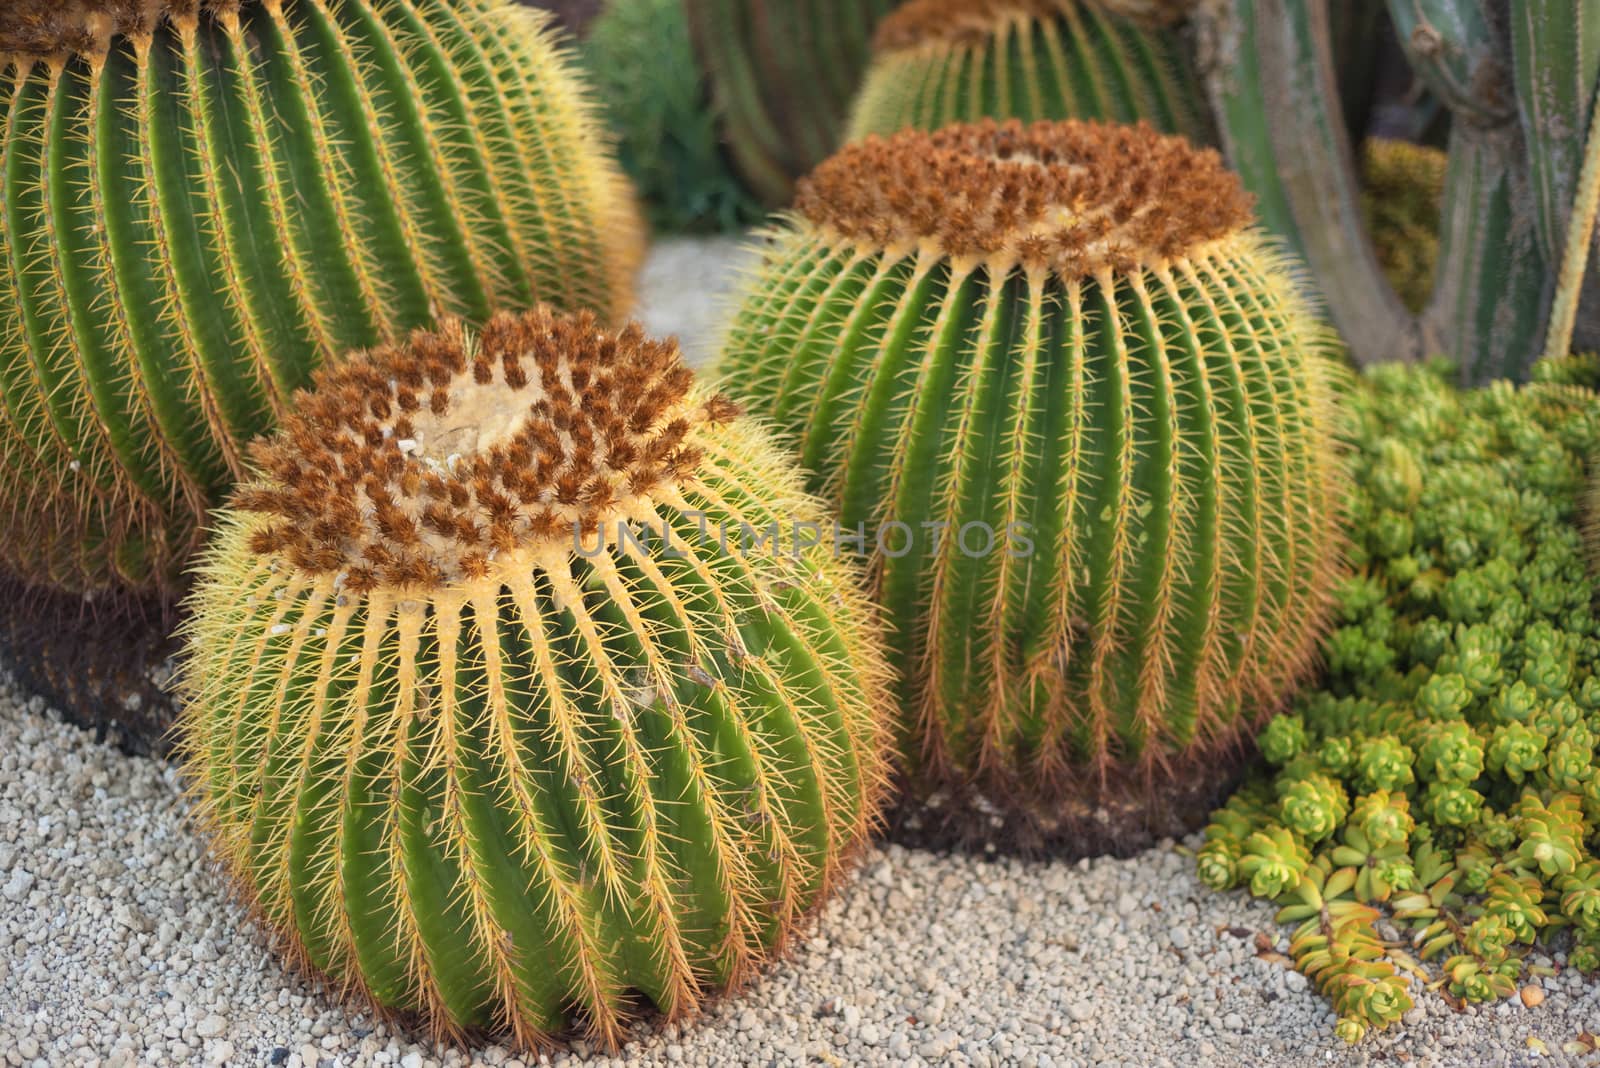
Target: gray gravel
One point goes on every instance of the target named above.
(119, 945)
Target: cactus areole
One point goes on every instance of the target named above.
(1060, 356)
(483, 713)
(200, 202)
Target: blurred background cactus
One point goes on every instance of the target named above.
(204, 201)
(484, 715)
(1068, 335)
(1402, 185)
(783, 74)
(941, 61)
(657, 102)
(1517, 81)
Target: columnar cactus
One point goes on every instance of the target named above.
(783, 73)
(1518, 80)
(203, 199)
(1075, 400)
(943, 61)
(484, 711)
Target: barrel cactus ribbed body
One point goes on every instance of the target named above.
(488, 712)
(783, 73)
(1074, 398)
(203, 199)
(941, 61)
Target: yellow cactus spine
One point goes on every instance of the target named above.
(487, 711)
(203, 200)
(1075, 398)
(937, 62)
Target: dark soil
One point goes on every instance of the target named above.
(103, 664)
(1119, 816)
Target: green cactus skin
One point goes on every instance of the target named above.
(783, 73)
(1517, 78)
(1160, 424)
(509, 798)
(207, 202)
(944, 61)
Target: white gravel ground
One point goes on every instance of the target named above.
(688, 287)
(119, 946)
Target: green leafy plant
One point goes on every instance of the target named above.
(1071, 402)
(646, 75)
(1459, 715)
(204, 201)
(483, 715)
(942, 61)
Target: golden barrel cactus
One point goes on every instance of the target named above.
(1083, 415)
(937, 62)
(205, 199)
(488, 713)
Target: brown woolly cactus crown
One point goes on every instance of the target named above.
(55, 27)
(416, 465)
(1072, 197)
(956, 20)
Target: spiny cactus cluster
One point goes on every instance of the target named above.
(1445, 775)
(203, 201)
(941, 61)
(1076, 400)
(483, 714)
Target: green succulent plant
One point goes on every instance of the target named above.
(941, 61)
(1459, 714)
(782, 74)
(1383, 818)
(669, 139)
(1273, 861)
(483, 716)
(1115, 407)
(205, 200)
(1336, 945)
